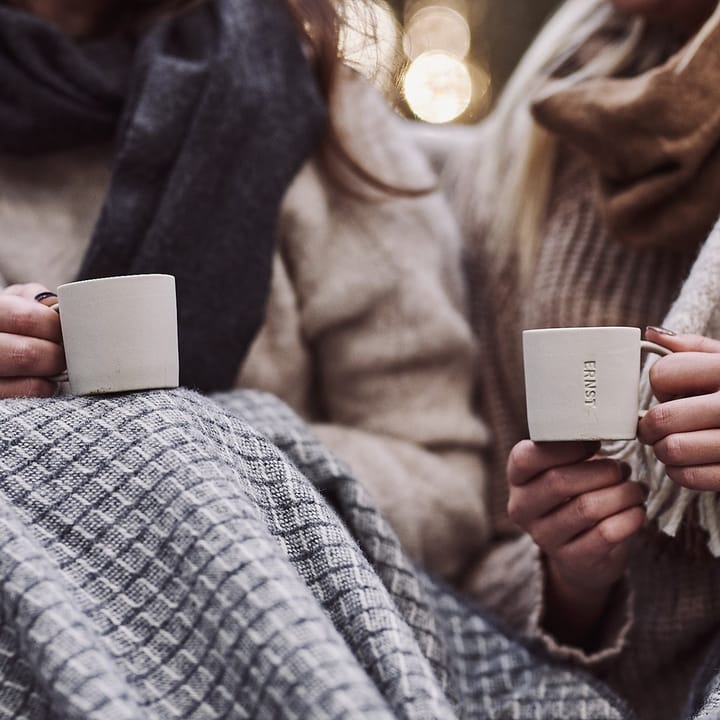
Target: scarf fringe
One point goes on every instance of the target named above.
(696, 310)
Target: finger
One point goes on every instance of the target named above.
(583, 512)
(685, 373)
(19, 316)
(602, 539)
(560, 484)
(682, 342)
(26, 387)
(528, 459)
(693, 448)
(695, 477)
(701, 412)
(29, 356)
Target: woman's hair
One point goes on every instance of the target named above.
(510, 198)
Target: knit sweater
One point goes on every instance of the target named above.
(366, 333)
(663, 614)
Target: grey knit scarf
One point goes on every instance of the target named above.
(211, 114)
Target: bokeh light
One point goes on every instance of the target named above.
(436, 27)
(438, 87)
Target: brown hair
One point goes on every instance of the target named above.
(320, 22)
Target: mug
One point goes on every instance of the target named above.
(583, 383)
(119, 334)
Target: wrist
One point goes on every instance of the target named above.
(572, 611)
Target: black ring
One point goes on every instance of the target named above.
(45, 295)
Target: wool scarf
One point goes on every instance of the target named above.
(653, 141)
(210, 114)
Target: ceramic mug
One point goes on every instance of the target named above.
(583, 383)
(119, 334)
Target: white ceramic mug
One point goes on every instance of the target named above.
(583, 383)
(119, 333)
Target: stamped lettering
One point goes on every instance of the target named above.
(590, 382)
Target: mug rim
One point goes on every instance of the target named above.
(558, 330)
(91, 281)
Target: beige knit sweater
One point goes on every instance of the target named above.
(366, 334)
(657, 630)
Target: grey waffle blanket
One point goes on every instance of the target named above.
(169, 555)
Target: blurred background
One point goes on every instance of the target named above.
(442, 61)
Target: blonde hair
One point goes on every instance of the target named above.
(510, 199)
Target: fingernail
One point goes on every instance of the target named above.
(45, 295)
(660, 330)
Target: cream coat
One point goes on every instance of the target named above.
(366, 334)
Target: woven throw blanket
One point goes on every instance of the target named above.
(169, 555)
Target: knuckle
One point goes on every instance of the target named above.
(36, 387)
(657, 420)
(21, 320)
(670, 450)
(585, 507)
(556, 482)
(23, 356)
(521, 456)
(687, 476)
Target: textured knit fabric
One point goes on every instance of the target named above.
(166, 555)
(655, 637)
(366, 332)
(211, 114)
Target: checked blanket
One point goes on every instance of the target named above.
(170, 555)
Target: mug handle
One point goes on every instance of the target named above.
(658, 350)
(63, 376)
(654, 348)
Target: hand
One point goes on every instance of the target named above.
(30, 343)
(684, 428)
(581, 512)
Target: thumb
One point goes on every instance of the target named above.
(681, 342)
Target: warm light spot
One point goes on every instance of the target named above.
(437, 28)
(438, 87)
(370, 38)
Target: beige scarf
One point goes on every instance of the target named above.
(654, 141)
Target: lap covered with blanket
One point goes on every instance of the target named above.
(169, 555)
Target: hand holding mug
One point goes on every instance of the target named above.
(30, 343)
(684, 428)
(115, 334)
(581, 511)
